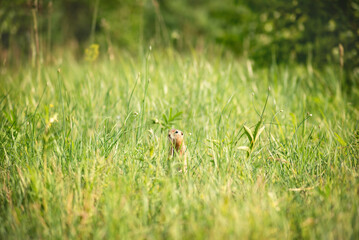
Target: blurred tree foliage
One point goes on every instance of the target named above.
(280, 30)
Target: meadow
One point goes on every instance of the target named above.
(83, 147)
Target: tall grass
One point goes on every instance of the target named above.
(84, 151)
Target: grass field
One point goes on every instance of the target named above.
(84, 150)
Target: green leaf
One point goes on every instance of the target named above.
(170, 115)
(256, 128)
(259, 133)
(248, 133)
(177, 115)
(340, 140)
(164, 118)
(245, 148)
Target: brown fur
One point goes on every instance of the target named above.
(177, 145)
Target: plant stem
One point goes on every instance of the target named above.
(93, 25)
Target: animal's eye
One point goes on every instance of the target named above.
(176, 131)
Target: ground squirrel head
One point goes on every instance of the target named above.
(175, 136)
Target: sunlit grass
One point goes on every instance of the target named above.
(83, 150)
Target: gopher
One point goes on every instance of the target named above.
(177, 146)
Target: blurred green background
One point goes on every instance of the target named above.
(263, 31)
